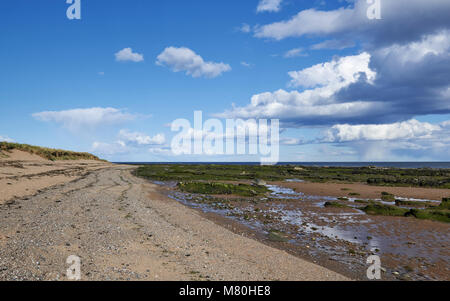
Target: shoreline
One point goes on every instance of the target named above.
(59, 177)
(123, 229)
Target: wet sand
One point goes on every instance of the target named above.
(340, 239)
(365, 191)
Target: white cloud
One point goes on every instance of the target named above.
(317, 104)
(446, 124)
(141, 139)
(184, 59)
(5, 139)
(335, 74)
(291, 141)
(411, 18)
(334, 44)
(245, 28)
(269, 6)
(130, 142)
(245, 64)
(81, 118)
(407, 130)
(110, 149)
(296, 52)
(409, 140)
(127, 55)
(414, 52)
(160, 151)
(308, 21)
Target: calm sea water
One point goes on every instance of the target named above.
(434, 165)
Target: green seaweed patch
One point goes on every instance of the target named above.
(385, 210)
(342, 199)
(412, 203)
(277, 236)
(387, 197)
(434, 214)
(445, 204)
(431, 214)
(354, 194)
(335, 205)
(364, 201)
(215, 188)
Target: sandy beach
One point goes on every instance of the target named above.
(122, 228)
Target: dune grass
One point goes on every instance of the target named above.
(46, 153)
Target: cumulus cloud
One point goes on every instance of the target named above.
(407, 140)
(184, 59)
(371, 100)
(296, 52)
(335, 74)
(291, 141)
(334, 44)
(85, 118)
(411, 129)
(412, 78)
(166, 151)
(141, 139)
(110, 149)
(127, 55)
(411, 19)
(388, 84)
(245, 28)
(130, 142)
(5, 139)
(315, 105)
(269, 6)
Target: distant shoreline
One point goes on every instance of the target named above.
(433, 165)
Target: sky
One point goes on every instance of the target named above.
(347, 80)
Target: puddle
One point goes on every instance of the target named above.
(294, 181)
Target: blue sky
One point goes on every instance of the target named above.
(344, 87)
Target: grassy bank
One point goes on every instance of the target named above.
(46, 153)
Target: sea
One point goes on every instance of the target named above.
(432, 165)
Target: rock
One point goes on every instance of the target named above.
(260, 182)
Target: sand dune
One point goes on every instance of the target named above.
(24, 174)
